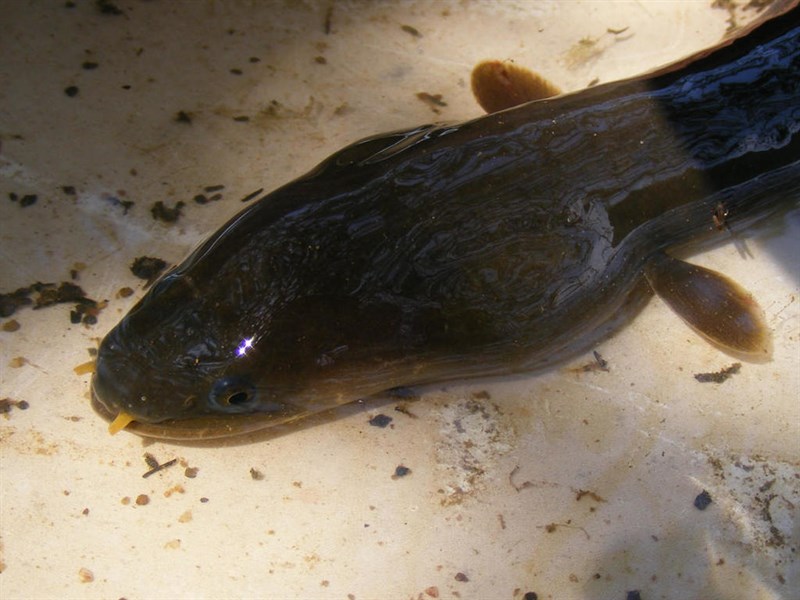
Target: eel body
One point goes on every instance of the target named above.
(496, 246)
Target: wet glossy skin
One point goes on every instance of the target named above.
(496, 246)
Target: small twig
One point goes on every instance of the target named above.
(157, 468)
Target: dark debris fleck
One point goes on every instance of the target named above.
(158, 467)
(106, 7)
(183, 117)
(9, 303)
(125, 204)
(7, 404)
(162, 212)
(434, 101)
(24, 201)
(719, 376)
(404, 410)
(401, 471)
(380, 421)
(148, 267)
(203, 199)
(702, 500)
(65, 292)
(252, 195)
(11, 326)
(44, 295)
(150, 460)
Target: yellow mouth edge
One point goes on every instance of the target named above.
(121, 421)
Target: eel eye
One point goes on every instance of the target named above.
(233, 394)
(238, 398)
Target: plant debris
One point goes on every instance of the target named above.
(598, 364)
(155, 467)
(252, 195)
(148, 268)
(434, 101)
(594, 496)
(403, 409)
(7, 404)
(41, 295)
(719, 376)
(162, 212)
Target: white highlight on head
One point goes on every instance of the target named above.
(244, 346)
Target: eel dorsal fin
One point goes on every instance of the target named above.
(498, 85)
(716, 307)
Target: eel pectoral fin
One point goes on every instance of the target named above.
(716, 307)
(498, 85)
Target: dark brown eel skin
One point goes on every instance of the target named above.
(497, 246)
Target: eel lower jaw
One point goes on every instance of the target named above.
(198, 428)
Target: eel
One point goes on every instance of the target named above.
(496, 246)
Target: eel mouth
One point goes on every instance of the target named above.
(198, 428)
